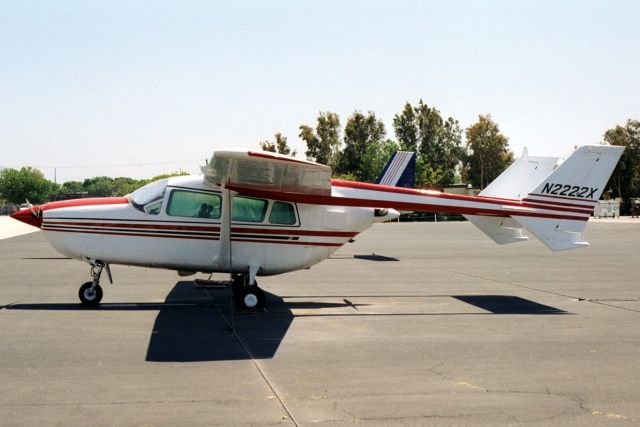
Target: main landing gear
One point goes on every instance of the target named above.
(91, 293)
(247, 295)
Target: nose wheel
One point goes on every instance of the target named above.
(90, 293)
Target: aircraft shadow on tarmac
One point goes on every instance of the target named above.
(194, 324)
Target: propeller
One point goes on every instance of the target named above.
(34, 212)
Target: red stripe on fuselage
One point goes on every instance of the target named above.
(295, 232)
(139, 226)
(115, 233)
(253, 230)
(287, 242)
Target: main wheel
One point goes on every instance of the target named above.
(88, 296)
(251, 297)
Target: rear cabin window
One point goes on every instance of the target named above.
(248, 210)
(194, 205)
(282, 213)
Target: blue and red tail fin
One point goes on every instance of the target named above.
(400, 170)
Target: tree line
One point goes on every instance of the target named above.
(362, 148)
(28, 183)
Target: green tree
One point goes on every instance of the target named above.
(625, 180)
(17, 186)
(376, 157)
(100, 186)
(123, 186)
(363, 137)
(437, 141)
(71, 187)
(323, 144)
(280, 146)
(268, 146)
(488, 152)
(404, 125)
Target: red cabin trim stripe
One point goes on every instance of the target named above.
(238, 240)
(133, 226)
(163, 227)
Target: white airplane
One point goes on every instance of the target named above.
(255, 213)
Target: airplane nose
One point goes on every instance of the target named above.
(28, 217)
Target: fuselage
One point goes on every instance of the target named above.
(189, 224)
(182, 224)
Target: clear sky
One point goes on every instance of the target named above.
(157, 86)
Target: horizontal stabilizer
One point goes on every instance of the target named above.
(500, 229)
(557, 235)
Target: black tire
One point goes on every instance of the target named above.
(251, 298)
(88, 298)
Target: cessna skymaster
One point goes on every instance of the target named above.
(254, 213)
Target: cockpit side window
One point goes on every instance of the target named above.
(153, 208)
(149, 193)
(282, 213)
(194, 204)
(248, 209)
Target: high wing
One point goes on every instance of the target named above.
(265, 171)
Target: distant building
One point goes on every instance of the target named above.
(464, 189)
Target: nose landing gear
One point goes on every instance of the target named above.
(91, 293)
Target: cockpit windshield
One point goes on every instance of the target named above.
(147, 194)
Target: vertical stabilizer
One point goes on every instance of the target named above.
(569, 194)
(400, 170)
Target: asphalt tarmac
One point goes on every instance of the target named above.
(413, 324)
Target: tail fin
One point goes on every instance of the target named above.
(400, 170)
(575, 185)
(568, 193)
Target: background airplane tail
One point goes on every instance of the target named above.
(400, 170)
(563, 195)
